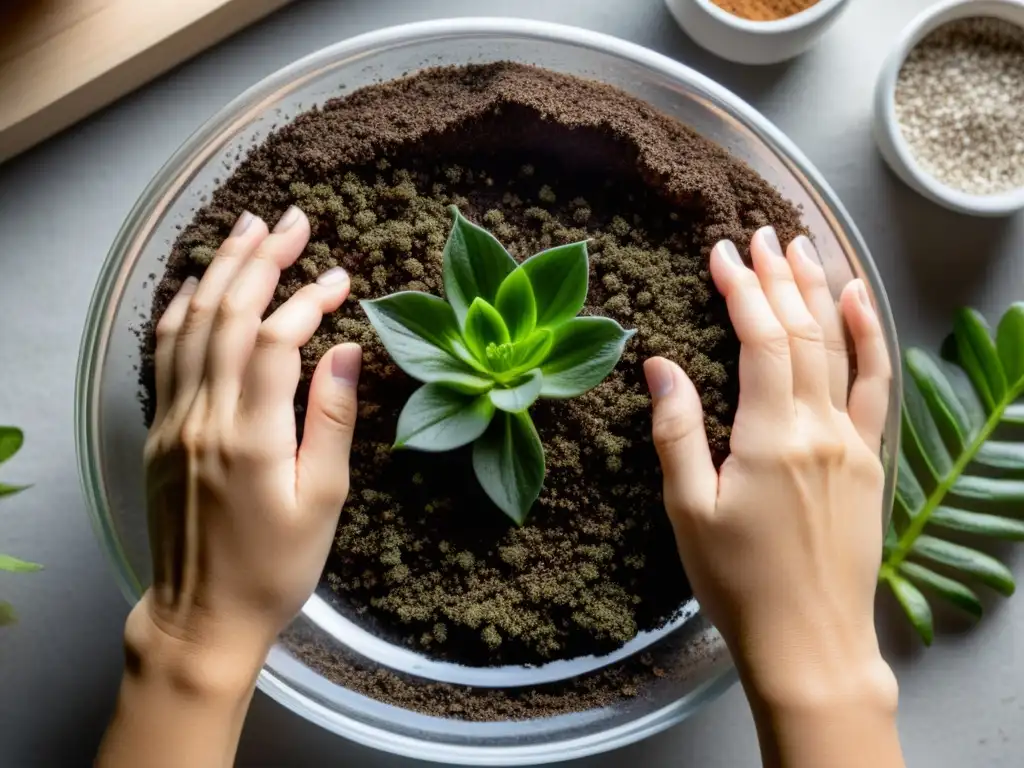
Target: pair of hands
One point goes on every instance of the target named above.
(781, 545)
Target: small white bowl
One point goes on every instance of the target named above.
(754, 42)
(889, 136)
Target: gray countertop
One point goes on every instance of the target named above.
(962, 701)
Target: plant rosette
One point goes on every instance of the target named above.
(507, 335)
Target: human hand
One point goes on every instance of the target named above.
(241, 517)
(782, 545)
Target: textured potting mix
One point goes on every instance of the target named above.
(422, 558)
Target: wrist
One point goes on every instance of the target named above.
(810, 673)
(213, 660)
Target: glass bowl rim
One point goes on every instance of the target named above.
(196, 150)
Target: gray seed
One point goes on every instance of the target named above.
(960, 105)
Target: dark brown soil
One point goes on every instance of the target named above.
(540, 159)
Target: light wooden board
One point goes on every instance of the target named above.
(61, 60)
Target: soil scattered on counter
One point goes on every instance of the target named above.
(421, 555)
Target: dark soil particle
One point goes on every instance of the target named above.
(540, 159)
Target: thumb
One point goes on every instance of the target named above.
(691, 481)
(330, 422)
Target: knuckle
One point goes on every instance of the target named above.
(836, 345)
(774, 342)
(816, 451)
(673, 428)
(194, 437)
(269, 336)
(200, 308)
(342, 414)
(230, 309)
(167, 326)
(806, 329)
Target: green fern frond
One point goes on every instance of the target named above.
(952, 475)
(11, 440)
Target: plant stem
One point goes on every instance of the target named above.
(938, 494)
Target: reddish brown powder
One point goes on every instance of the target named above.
(764, 10)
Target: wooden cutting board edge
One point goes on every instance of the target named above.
(133, 70)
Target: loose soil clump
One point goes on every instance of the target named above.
(421, 555)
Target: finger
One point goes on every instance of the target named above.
(322, 467)
(810, 279)
(869, 396)
(275, 364)
(690, 478)
(766, 373)
(167, 330)
(194, 338)
(807, 350)
(241, 309)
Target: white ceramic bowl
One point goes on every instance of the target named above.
(754, 42)
(889, 136)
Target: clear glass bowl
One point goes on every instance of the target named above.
(110, 432)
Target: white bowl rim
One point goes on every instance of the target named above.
(804, 18)
(920, 27)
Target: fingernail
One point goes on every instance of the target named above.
(728, 249)
(346, 361)
(770, 241)
(189, 286)
(805, 249)
(333, 276)
(862, 295)
(291, 216)
(659, 377)
(241, 224)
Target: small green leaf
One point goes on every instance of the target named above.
(7, 614)
(560, 277)
(531, 351)
(920, 430)
(1001, 455)
(517, 305)
(914, 604)
(518, 398)
(977, 354)
(509, 464)
(585, 350)
(421, 334)
(14, 565)
(949, 413)
(474, 264)
(1014, 414)
(982, 567)
(437, 418)
(484, 328)
(1010, 343)
(961, 596)
(967, 395)
(10, 490)
(989, 489)
(1006, 528)
(908, 490)
(11, 440)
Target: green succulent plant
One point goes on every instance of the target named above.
(507, 335)
(960, 469)
(11, 440)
